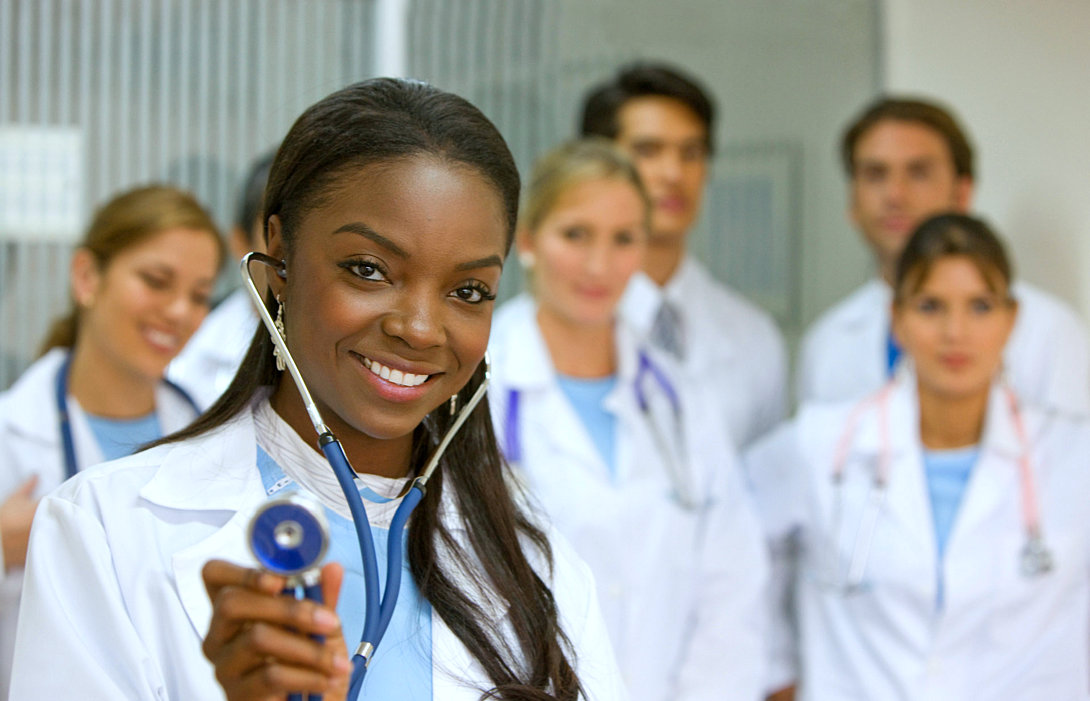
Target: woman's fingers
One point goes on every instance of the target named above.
(332, 575)
(271, 658)
(262, 643)
(220, 573)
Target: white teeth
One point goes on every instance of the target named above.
(163, 339)
(397, 377)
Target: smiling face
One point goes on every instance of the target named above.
(585, 250)
(389, 293)
(139, 311)
(903, 172)
(954, 326)
(668, 144)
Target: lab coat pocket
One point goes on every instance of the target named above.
(1030, 608)
(1038, 623)
(856, 543)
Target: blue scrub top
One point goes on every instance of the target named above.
(402, 666)
(947, 473)
(588, 397)
(120, 437)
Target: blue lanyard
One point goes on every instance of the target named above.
(513, 441)
(893, 354)
(61, 394)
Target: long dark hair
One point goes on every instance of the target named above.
(379, 121)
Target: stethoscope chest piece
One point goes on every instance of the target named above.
(1036, 559)
(289, 536)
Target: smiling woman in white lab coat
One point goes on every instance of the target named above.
(390, 207)
(943, 551)
(140, 279)
(612, 446)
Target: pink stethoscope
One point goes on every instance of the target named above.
(1035, 558)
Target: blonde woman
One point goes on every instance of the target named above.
(617, 451)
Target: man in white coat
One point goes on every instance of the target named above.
(665, 122)
(906, 160)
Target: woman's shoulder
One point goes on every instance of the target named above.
(183, 474)
(1067, 431)
(34, 386)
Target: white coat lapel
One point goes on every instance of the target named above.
(456, 674)
(896, 435)
(542, 403)
(227, 543)
(993, 493)
(217, 474)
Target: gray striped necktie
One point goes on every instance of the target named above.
(667, 333)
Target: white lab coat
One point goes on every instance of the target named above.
(1047, 359)
(681, 590)
(732, 345)
(115, 607)
(210, 359)
(30, 444)
(1000, 636)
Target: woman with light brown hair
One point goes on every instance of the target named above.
(141, 281)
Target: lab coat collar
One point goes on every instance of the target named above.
(212, 472)
(907, 498)
(640, 303)
(869, 304)
(35, 394)
(525, 362)
(691, 289)
(218, 472)
(999, 435)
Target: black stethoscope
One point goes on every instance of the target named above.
(61, 394)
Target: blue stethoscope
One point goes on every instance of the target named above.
(379, 610)
(676, 458)
(61, 395)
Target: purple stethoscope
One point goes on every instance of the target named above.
(675, 456)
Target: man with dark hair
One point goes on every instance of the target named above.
(908, 159)
(208, 363)
(665, 121)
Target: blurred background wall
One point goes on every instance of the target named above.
(1018, 72)
(100, 95)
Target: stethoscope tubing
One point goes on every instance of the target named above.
(864, 536)
(64, 422)
(676, 460)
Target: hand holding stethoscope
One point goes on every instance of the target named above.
(289, 611)
(246, 599)
(1035, 558)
